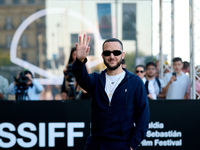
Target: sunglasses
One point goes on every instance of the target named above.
(115, 52)
(139, 71)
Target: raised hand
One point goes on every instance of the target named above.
(82, 47)
(29, 76)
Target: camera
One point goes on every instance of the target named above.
(22, 80)
(70, 74)
(21, 86)
(71, 90)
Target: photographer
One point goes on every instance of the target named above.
(70, 88)
(68, 75)
(25, 87)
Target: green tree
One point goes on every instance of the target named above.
(130, 60)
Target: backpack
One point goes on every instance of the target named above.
(158, 82)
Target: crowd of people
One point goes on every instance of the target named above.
(175, 84)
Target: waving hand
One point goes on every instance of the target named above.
(82, 48)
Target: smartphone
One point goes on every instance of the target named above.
(174, 74)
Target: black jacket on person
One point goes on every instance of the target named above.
(127, 116)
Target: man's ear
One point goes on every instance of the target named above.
(123, 55)
(102, 55)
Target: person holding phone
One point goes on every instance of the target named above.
(175, 84)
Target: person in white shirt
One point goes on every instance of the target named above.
(25, 87)
(153, 84)
(175, 84)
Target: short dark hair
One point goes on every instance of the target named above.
(113, 40)
(186, 64)
(140, 66)
(23, 73)
(177, 59)
(151, 63)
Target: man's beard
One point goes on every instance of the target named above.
(150, 76)
(114, 67)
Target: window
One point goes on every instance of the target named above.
(8, 41)
(31, 1)
(74, 39)
(129, 21)
(9, 23)
(43, 20)
(24, 41)
(91, 44)
(22, 18)
(61, 55)
(1, 2)
(15, 2)
(23, 1)
(8, 2)
(24, 56)
(104, 18)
